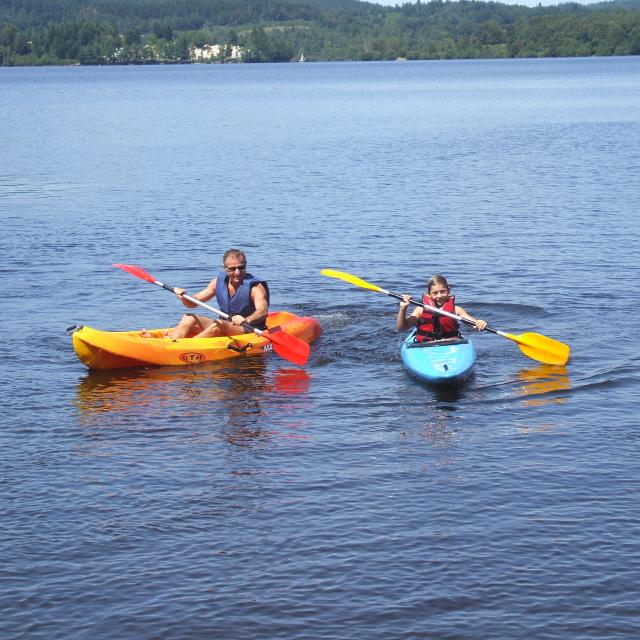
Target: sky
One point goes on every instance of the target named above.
(526, 3)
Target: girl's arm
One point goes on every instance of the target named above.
(481, 325)
(402, 321)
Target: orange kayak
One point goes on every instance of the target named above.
(121, 349)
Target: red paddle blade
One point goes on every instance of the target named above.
(288, 347)
(138, 272)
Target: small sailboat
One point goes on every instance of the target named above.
(301, 57)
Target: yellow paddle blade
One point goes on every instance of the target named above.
(541, 348)
(347, 277)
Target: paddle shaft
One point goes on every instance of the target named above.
(442, 312)
(288, 346)
(224, 315)
(533, 345)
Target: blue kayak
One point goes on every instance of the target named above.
(441, 361)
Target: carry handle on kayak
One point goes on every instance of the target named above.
(284, 344)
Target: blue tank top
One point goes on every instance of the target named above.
(240, 303)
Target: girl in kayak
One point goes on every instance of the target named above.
(434, 326)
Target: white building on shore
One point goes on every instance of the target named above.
(212, 51)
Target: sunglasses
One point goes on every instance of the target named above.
(239, 267)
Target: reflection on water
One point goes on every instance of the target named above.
(136, 390)
(542, 384)
(436, 422)
(449, 394)
(240, 397)
(291, 381)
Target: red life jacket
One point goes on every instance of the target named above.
(435, 326)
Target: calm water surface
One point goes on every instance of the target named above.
(253, 500)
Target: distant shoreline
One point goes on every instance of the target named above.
(152, 32)
(397, 60)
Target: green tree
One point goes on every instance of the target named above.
(258, 46)
(162, 31)
(132, 37)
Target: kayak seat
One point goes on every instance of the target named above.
(437, 343)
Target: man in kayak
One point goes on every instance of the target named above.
(434, 326)
(239, 294)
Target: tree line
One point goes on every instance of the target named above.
(41, 32)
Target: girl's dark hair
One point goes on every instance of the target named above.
(437, 279)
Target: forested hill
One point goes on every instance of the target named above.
(192, 14)
(152, 31)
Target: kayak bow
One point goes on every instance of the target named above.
(438, 362)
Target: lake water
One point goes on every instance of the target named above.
(255, 500)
